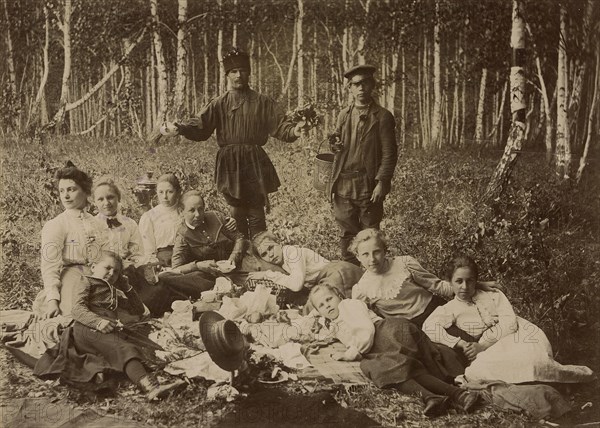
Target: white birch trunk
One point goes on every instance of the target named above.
(592, 120)
(39, 113)
(161, 68)
(234, 31)
(547, 111)
(518, 106)
(362, 39)
(181, 76)
(65, 27)
(346, 59)
(222, 81)
(391, 104)
(154, 98)
(288, 81)
(563, 148)
(148, 97)
(206, 95)
(480, 108)
(436, 117)
(300, 42)
(403, 101)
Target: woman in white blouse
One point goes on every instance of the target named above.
(159, 225)
(70, 242)
(483, 327)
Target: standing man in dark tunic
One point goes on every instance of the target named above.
(364, 166)
(244, 120)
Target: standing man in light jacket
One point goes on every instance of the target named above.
(364, 166)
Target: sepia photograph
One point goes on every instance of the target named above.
(299, 213)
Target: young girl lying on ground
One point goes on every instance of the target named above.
(94, 346)
(394, 352)
(484, 328)
(399, 286)
(303, 268)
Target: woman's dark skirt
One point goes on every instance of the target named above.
(82, 353)
(402, 351)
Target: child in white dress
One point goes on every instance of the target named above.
(500, 345)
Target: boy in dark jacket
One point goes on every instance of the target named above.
(364, 166)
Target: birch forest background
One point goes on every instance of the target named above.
(497, 111)
(112, 67)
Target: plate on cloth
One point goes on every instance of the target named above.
(225, 266)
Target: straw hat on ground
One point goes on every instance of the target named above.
(223, 340)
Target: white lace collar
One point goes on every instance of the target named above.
(386, 285)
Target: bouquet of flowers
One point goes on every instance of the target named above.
(306, 114)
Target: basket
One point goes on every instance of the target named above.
(323, 169)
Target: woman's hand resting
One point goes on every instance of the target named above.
(208, 266)
(106, 326)
(470, 349)
(52, 311)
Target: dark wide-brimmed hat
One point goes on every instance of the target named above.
(223, 340)
(236, 59)
(360, 69)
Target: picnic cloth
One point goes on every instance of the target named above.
(339, 372)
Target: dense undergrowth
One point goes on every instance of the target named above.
(540, 239)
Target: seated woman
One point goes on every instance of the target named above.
(95, 346)
(124, 238)
(393, 352)
(399, 286)
(159, 226)
(302, 268)
(201, 240)
(484, 328)
(70, 241)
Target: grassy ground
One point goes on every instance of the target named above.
(540, 239)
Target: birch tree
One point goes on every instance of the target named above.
(36, 112)
(480, 107)
(64, 25)
(518, 105)
(300, 51)
(161, 68)
(563, 145)
(181, 76)
(436, 119)
(593, 118)
(362, 39)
